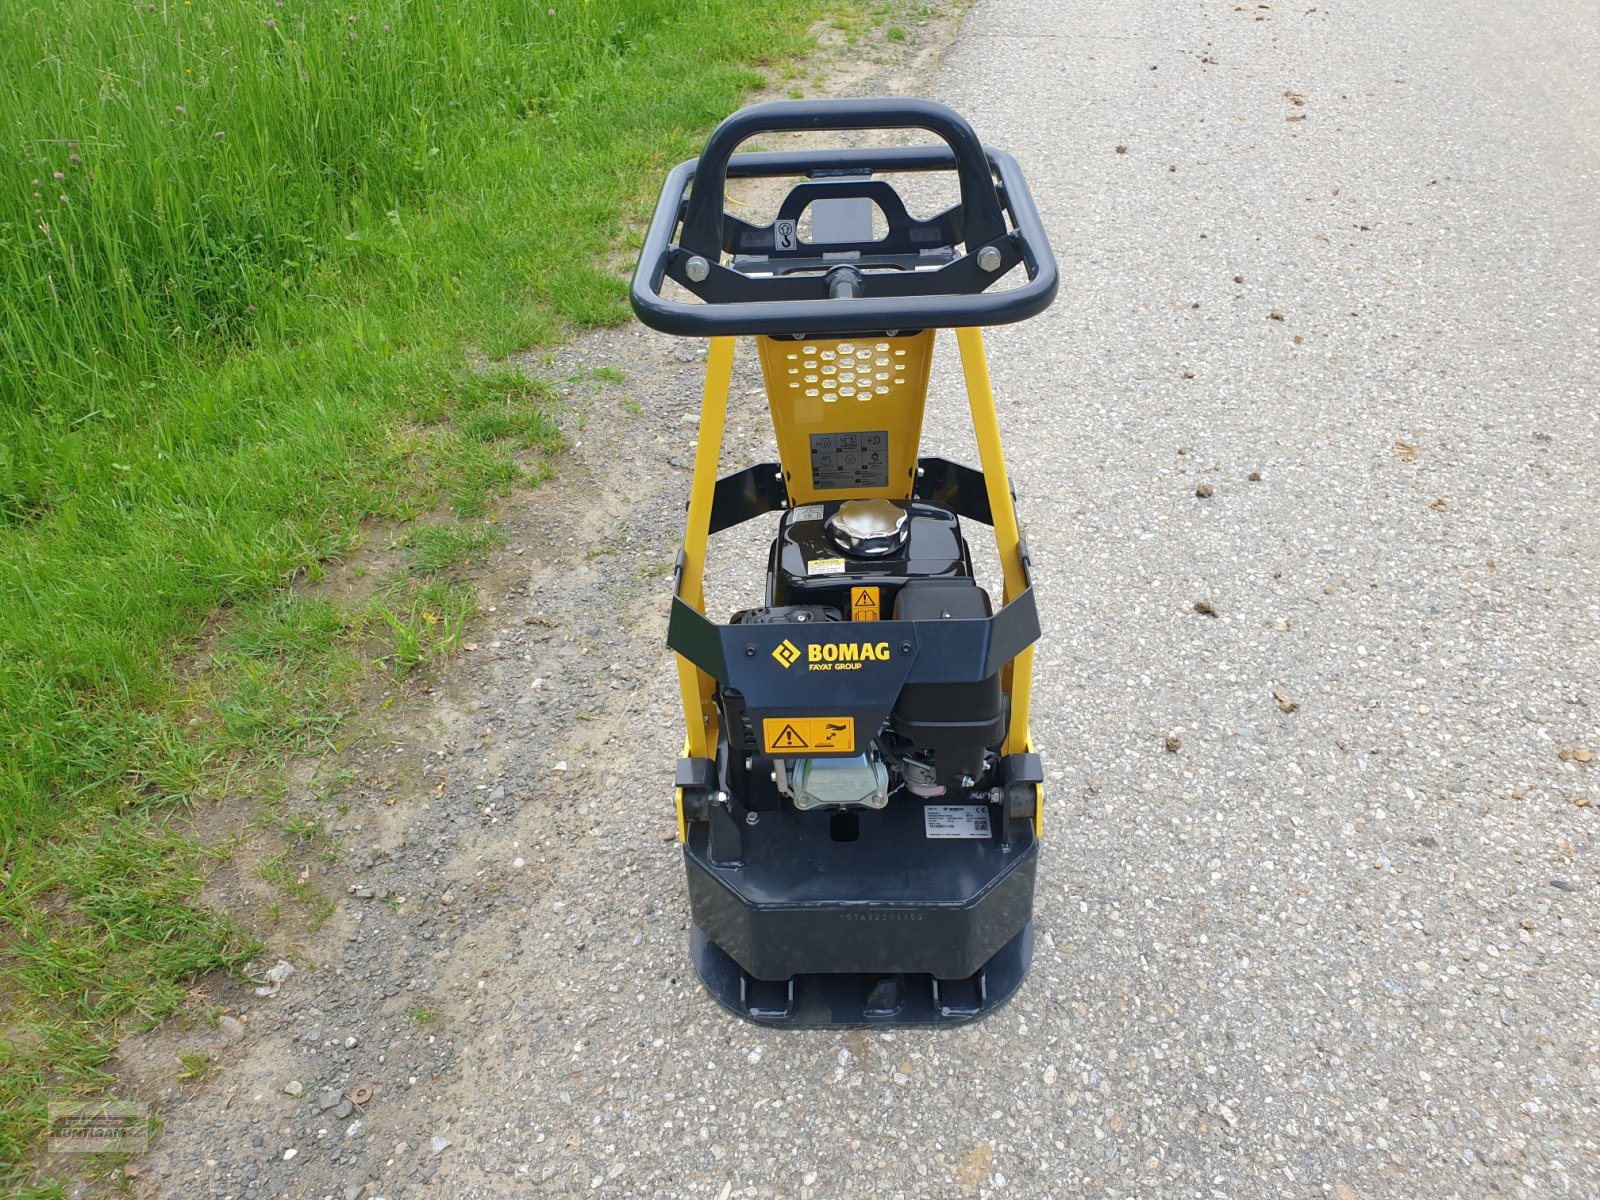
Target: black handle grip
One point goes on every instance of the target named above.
(955, 295)
(702, 219)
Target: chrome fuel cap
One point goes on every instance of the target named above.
(868, 528)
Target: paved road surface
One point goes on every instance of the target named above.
(1347, 950)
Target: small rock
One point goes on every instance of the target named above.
(326, 1099)
(1173, 743)
(231, 1029)
(1282, 627)
(363, 893)
(272, 981)
(496, 794)
(1205, 608)
(1203, 491)
(448, 898)
(344, 1110)
(289, 1153)
(353, 1129)
(351, 1042)
(439, 1144)
(294, 1087)
(1254, 477)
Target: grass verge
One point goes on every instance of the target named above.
(224, 355)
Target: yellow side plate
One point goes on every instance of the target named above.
(806, 735)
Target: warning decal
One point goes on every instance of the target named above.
(802, 735)
(864, 604)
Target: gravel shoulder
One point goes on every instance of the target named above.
(1317, 911)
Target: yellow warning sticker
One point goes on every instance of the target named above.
(803, 735)
(864, 604)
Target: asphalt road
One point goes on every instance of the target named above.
(1336, 264)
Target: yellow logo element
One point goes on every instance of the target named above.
(787, 654)
(864, 604)
(847, 652)
(794, 735)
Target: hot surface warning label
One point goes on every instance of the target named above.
(804, 735)
(850, 460)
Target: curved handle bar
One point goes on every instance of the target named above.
(951, 296)
(702, 219)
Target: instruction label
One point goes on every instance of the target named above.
(802, 735)
(825, 566)
(956, 820)
(850, 460)
(864, 604)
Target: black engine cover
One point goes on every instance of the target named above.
(808, 569)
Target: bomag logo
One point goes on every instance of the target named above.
(844, 656)
(787, 654)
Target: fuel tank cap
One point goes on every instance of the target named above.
(868, 528)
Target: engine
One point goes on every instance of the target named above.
(862, 561)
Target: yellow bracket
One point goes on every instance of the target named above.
(695, 686)
(1018, 677)
(864, 395)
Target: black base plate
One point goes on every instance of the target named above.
(849, 1001)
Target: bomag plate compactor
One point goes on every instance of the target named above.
(859, 801)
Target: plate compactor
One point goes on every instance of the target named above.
(859, 801)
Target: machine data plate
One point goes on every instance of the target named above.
(850, 460)
(956, 820)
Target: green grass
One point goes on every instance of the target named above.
(434, 548)
(426, 624)
(174, 167)
(219, 358)
(194, 1066)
